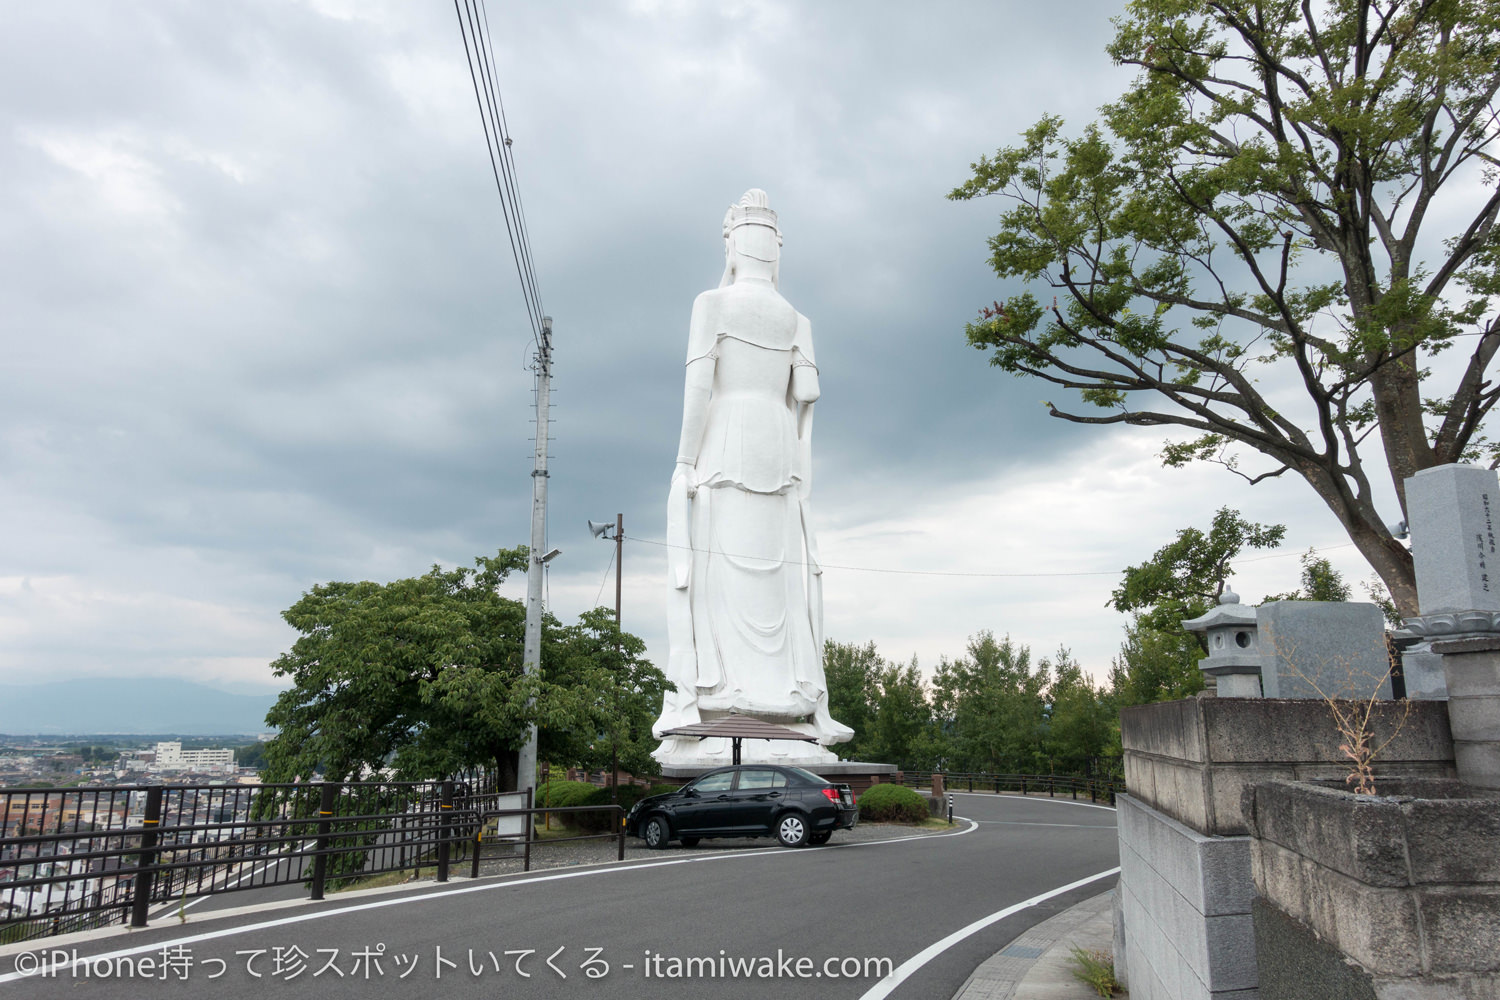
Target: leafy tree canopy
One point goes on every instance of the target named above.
(426, 673)
(1266, 240)
(1182, 580)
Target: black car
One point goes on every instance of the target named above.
(750, 800)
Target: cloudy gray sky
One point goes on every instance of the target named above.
(261, 328)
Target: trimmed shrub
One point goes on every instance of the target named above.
(562, 793)
(891, 804)
(603, 822)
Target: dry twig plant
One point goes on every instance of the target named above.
(1353, 711)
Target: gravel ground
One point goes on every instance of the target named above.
(546, 855)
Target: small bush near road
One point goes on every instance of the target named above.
(603, 822)
(562, 793)
(1096, 969)
(892, 804)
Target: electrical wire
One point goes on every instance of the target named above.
(936, 572)
(501, 166)
(509, 155)
(479, 25)
(607, 567)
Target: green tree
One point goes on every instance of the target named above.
(1182, 580)
(425, 673)
(901, 727)
(1268, 236)
(1320, 582)
(1082, 720)
(850, 671)
(622, 696)
(990, 708)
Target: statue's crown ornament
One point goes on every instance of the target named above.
(754, 209)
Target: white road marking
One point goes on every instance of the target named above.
(903, 971)
(1070, 826)
(54, 970)
(1036, 798)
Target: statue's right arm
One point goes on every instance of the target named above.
(697, 391)
(698, 380)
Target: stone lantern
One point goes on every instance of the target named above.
(1233, 653)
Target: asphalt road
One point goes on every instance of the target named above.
(913, 902)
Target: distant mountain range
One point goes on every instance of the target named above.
(129, 705)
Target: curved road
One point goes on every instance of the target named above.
(914, 900)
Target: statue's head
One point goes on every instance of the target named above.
(750, 230)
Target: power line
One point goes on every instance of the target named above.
(936, 572)
(501, 167)
(509, 156)
(486, 53)
(607, 567)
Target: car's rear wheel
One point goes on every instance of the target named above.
(689, 841)
(656, 833)
(791, 830)
(817, 839)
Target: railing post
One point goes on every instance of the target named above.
(620, 832)
(1073, 785)
(971, 782)
(445, 828)
(478, 839)
(1023, 786)
(530, 828)
(140, 890)
(1051, 786)
(326, 800)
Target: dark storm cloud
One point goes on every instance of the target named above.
(262, 326)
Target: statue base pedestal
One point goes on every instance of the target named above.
(858, 775)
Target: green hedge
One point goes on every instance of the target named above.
(561, 792)
(600, 822)
(892, 804)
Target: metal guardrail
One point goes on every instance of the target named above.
(75, 858)
(1096, 788)
(618, 835)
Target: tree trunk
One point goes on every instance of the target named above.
(507, 767)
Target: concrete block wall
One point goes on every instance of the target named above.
(1192, 759)
(1185, 881)
(1185, 898)
(1404, 887)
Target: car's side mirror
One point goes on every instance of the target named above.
(688, 793)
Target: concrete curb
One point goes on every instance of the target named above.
(1035, 966)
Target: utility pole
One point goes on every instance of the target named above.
(600, 529)
(614, 743)
(619, 561)
(532, 656)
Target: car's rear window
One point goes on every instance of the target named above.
(762, 779)
(809, 776)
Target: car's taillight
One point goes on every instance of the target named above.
(831, 794)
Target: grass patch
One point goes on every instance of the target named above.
(1095, 969)
(379, 881)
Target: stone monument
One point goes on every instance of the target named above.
(745, 603)
(1452, 510)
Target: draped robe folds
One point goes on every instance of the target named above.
(745, 633)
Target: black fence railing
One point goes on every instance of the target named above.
(616, 832)
(1096, 788)
(77, 858)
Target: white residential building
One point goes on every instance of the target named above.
(171, 757)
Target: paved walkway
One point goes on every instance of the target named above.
(1036, 966)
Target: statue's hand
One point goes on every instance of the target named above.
(683, 475)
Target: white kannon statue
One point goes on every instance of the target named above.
(745, 604)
